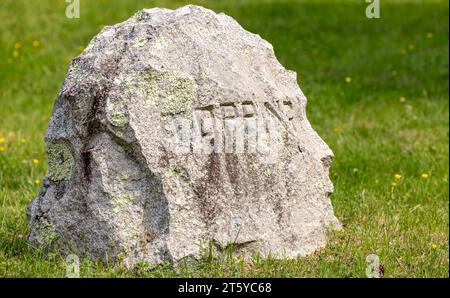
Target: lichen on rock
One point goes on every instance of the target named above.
(177, 129)
(116, 112)
(45, 234)
(174, 92)
(120, 202)
(60, 161)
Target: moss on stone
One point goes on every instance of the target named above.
(60, 161)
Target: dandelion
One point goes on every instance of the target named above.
(397, 176)
(393, 184)
(429, 35)
(37, 181)
(17, 45)
(424, 176)
(23, 140)
(434, 246)
(348, 79)
(15, 54)
(2, 149)
(2, 140)
(337, 130)
(407, 194)
(36, 43)
(35, 162)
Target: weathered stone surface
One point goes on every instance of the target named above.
(175, 130)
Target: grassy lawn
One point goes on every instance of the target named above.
(378, 95)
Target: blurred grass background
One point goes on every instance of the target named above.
(377, 93)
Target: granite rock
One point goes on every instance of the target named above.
(176, 132)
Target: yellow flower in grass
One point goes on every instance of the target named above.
(2, 140)
(393, 184)
(35, 162)
(37, 181)
(15, 54)
(424, 176)
(348, 79)
(36, 43)
(2, 149)
(23, 140)
(434, 246)
(397, 176)
(337, 130)
(17, 45)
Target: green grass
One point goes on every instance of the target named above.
(391, 118)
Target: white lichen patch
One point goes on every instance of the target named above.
(161, 45)
(60, 161)
(140, 41)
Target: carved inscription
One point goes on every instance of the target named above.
(242, 127)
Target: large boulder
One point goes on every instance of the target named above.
(175, 132)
